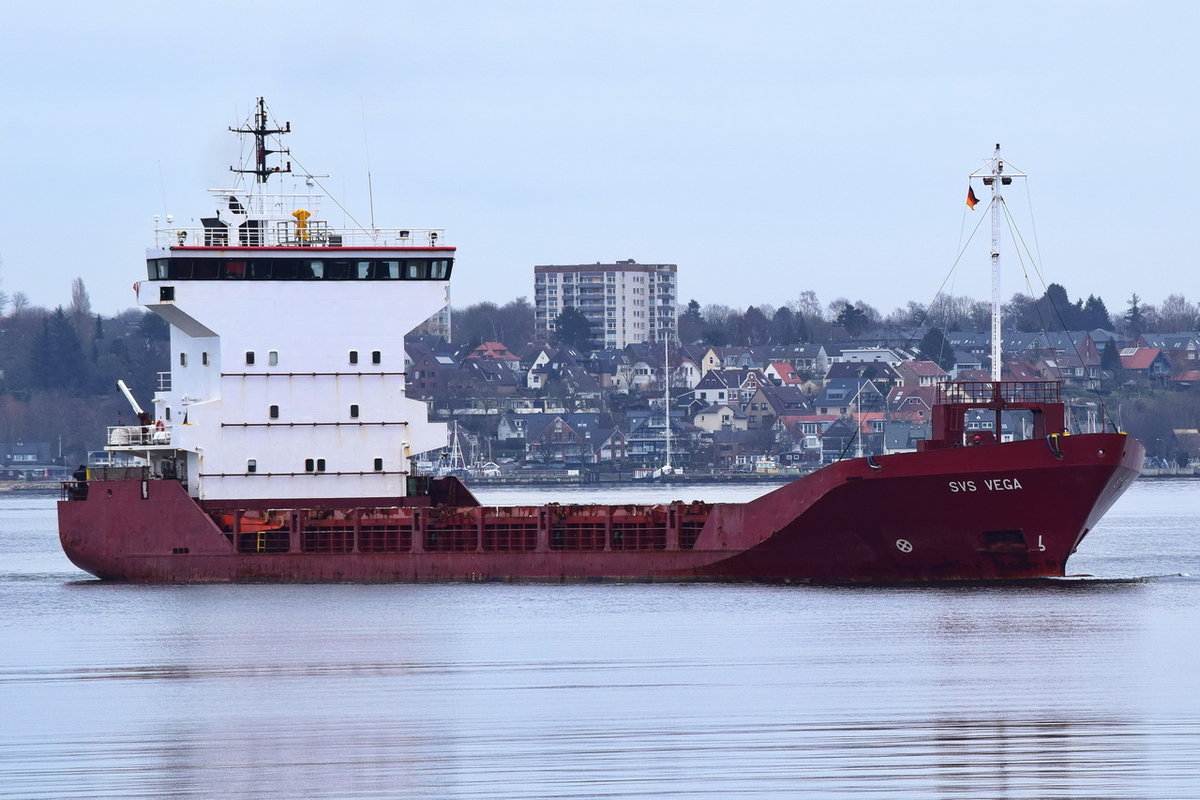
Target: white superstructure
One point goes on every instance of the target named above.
(287, 349)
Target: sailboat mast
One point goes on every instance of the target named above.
(667, 400)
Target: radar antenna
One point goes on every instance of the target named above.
(260, 132)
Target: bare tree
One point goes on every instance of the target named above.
(80, 311)
(20, 303)
(1177, 314)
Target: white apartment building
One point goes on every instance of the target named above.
(625, 302)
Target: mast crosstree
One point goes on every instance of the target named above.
(994, 175)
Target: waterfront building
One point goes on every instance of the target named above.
(624, 303)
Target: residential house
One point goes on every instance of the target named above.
(738, 448)
(921, 373)
(901, 436)
(495, 351)
(770, 402)
(715, 387)
(559, 438)
(782, 373)
(721, 415)
(914, 403)
(646, 437)
(841, 396)
(1145, 364)
(431, 366)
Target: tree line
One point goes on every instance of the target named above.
(58, 367)
(806, 320)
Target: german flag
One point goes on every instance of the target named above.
(972, 200)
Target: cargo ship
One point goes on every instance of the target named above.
(281, 444)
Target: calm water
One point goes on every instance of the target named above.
(1080, 688)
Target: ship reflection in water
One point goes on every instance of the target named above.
(1079, 688)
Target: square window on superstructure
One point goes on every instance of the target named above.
(249, 357)
(204, 359)
(353, 356)
(273, 357)
(183, 359)
(273, 412)
(376, 357)
(354, 411)
(251, 465)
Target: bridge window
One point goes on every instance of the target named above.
(288, 269)
(284, 270)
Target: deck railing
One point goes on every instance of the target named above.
(985, 392)
(138, 436)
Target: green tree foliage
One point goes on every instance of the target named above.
(1135, 319)
(852, 318)
(691, 323)
(935, 348)
(572, 328)
(1110, 361)
(753, 328)
(783, 327)
(57, 360)
(1095, 314)
(1055, 312)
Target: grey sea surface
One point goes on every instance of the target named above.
(1078, 688)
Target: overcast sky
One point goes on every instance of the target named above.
(767, 148)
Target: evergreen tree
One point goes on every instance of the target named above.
(754, 328)
(57, 360)
(1134, 318)
(784, 327)
(935, 348)
(1110, 361)
(1095, 314)
(691, 323)
(572, 328)
(853, 319)
(1058, 312)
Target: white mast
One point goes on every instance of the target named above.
(666, 470)
(993, 175)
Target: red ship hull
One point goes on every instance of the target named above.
(1002, 511)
